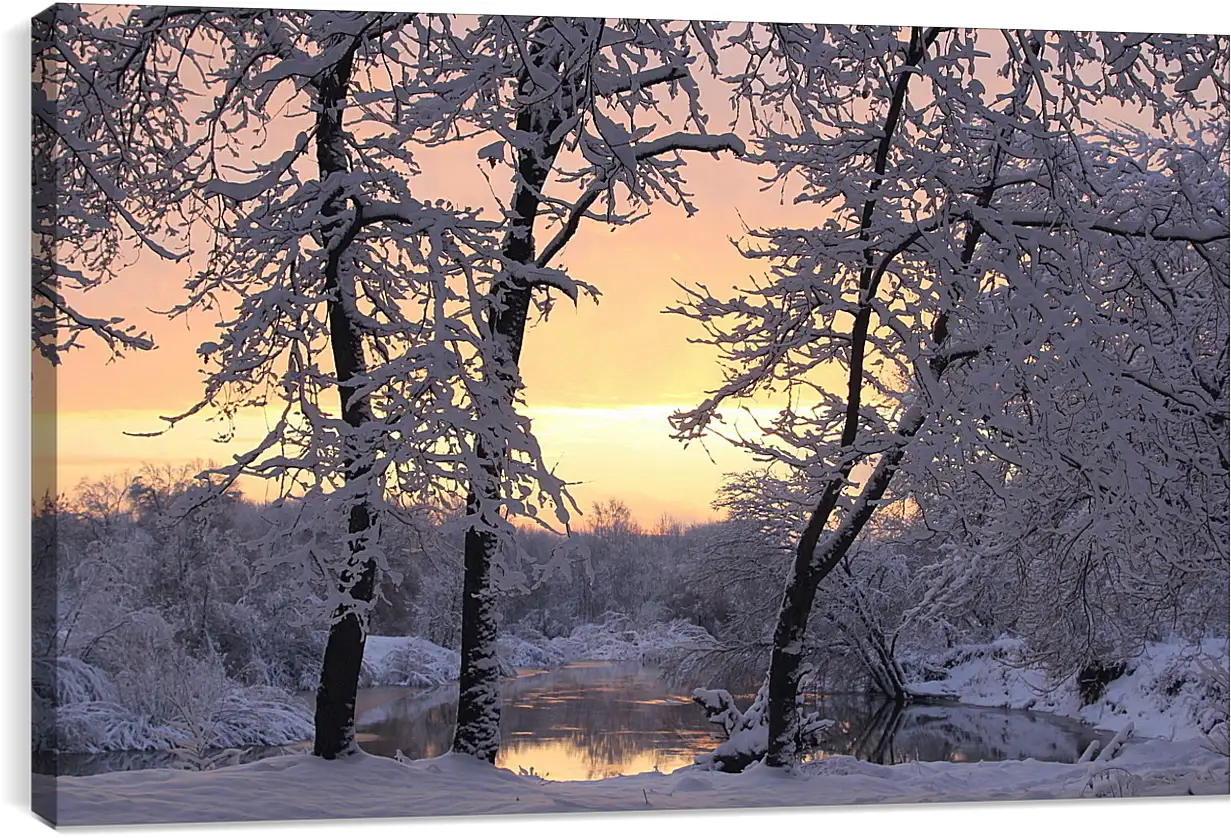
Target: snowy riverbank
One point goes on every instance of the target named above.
(1164, 693)
(293, 787)
(1171, 691)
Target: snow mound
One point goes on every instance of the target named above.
(407, 662)
(1174, 691)
(985, 674)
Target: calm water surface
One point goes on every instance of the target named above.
(580, 722)
(593, 720)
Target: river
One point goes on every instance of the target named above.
(587, 721)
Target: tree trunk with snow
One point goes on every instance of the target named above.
(814, 560)
(339, 682)
(478, 709)
(560, 82)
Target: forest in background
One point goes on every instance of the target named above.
(154, 630)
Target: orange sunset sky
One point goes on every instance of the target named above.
(601, 379)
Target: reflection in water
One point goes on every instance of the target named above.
(580, 722)
(588, 721)
(598, 720)
(886, 733)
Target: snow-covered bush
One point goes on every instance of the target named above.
(160, 704)
(616, 638)
(1213, 718)
(95, 726)
(407, 662)
(65, 680)
(528, 650)
(162, 626)
(193, 754)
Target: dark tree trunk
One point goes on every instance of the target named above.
(813, 563)
(339, 684)
(478, 702)
(814, 559)
(478, 709)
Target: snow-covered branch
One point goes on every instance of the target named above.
(1195, 233)
(677, 141)
(612, 85)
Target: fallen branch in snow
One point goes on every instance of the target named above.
(1092, 754)
(1114, 746)
(1088, 754)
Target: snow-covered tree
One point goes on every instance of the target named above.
(576, 112)
(866, 621)
(989, 249)
(329, 276)
(289, 139)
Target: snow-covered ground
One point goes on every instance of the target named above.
(293, 787)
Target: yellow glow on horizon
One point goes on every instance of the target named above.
(623, 452)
